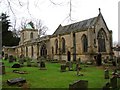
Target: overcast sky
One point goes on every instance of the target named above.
(53, 15)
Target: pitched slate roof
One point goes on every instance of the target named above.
(78, 26)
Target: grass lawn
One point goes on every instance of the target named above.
(53, 78)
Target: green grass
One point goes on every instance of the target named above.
(53, 78)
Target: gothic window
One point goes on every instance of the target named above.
(31, 35)
(26, 51)
(56, 46)
(52, 50)
(63, 45)
(32, 51)
(43, 51)
(101, 41)
(84, 43)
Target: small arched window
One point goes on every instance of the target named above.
(31, 35)
(56, 46)
(63, 45)
(26, 51)
(52, 50)
(84, 43)
(32, 51)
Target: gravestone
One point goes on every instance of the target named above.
(6, 56)
(107, 86)
(99, 59)
(63, 68)
(11, 58)
(106, 74)
(2, 68)
(79, 85)
(16, 66)
(28, 60)
(21, 60)
(69, 64)
(41, 63)
(15, 81)
(113, 82)
(78, 68)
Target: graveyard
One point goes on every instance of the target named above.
(51, 75)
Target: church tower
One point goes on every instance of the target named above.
(28, 33)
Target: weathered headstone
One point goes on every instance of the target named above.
(15, 81)
(78, 68)
(6, 56)
(113, 82)
(99, 59)
(11, 58)
(79, 85)
(42, 65)
(2, 68)
(70, 66)
(63, 68)
(16, 65)
(107, 86)
(106, 74)
(21, 60)
(28, 62)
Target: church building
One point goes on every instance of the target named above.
(83, 40)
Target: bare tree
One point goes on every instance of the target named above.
(35, 24)
(41, 28)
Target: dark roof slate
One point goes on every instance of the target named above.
(82, 25)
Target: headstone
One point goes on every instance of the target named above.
(118, 63)
(79, 85)
(16, 66)
(2, 68)
(113, 82)
(63, 68)
(15, 81)
(11, 59)
(28, 62)
(42, 65)
(6, 56)
(21, 60)
(106, 74)
(107, 86)
(78, 68)
(118, 82)
(70, 66)
(99, 59)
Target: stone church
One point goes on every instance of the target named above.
(82, 40)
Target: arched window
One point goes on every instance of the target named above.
(43, 51)
(84, 43)
(52, 50)
(63, 45)
(101, 41)
(31, 35)
(32, 51)
(56, 46)
(26, 51)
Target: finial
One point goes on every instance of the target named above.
(99, 10)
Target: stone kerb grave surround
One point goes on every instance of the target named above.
(79, 85)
